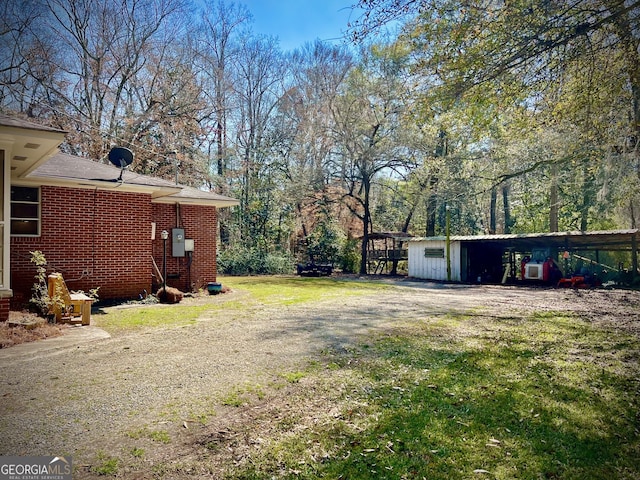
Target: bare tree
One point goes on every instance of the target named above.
(219, 44)
(368, 119)
(303, 140)
(94, 49)
(260, 75)
(16, 41)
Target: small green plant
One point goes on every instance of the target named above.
(156, 435)
(137, 452)
(107, 465)
(242, 395)
(93, 293)
(41, 299)
(293, 377)
(233, 399)
(200, 418)
(160, 436)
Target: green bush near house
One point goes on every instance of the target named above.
(253, 261)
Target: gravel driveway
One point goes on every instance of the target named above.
(92, 397)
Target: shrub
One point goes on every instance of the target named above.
(323, 244)
(40, 299)
(253, 261)
(350, 256)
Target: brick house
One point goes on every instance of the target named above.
(97, 228)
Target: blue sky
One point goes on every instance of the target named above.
(296, 22)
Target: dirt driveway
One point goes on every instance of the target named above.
(94, 399)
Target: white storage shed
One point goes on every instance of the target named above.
(428, 259)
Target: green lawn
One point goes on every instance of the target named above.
(284, 290)
(130, 318)
(538, 396)
(288, 290)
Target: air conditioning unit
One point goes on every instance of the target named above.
(533, 271)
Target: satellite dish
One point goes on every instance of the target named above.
(121, 157)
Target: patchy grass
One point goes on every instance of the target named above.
(106, 465)
(293, 377)
(547, 396)
(240, 396)
(118, 320)
(137, 452)
(270, 290)
(161, 436)
(289, 290)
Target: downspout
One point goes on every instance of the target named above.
(94, 233)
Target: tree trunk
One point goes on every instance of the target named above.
(508, 221)
(492, 210)
(553, 199)
(220, 139)
(365, 224)
(442, 150)
(244, 197)
(587, 195)
(631, 47)
(432, 204)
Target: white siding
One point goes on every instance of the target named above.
(434, 268)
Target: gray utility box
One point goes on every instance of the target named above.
(177, 242)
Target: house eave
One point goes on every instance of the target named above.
(26, 150)
(154, 191)
(193, 196)
(172, 199)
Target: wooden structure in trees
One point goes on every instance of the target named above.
(385, 250)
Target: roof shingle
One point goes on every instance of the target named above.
(82, 171)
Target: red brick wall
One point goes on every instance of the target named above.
(4, 309)
(95, 238)
(200, 224)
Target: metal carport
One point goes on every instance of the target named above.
(482, 254)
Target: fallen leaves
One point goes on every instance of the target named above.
(493, 443)
(481, 470)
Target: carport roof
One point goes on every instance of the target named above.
(602, 239)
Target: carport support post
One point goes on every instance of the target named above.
(634, 257)
(448, 225)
